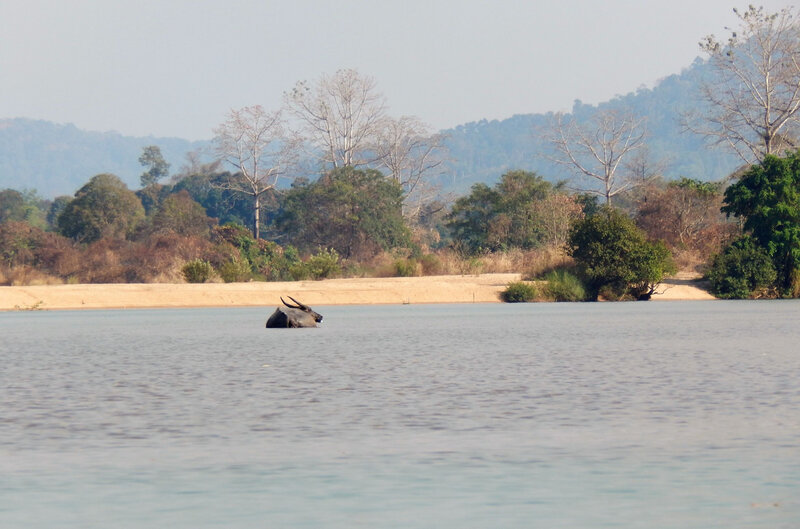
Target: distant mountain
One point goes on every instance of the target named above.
(58, 159)
(482, 151)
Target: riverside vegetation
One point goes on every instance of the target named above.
(370, 206)
(567, 247)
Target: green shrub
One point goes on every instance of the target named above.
(471, 265)
(197, 271)
(266, 260)
(564, 286)
(519, 292)
(740, 270)
(406, 268)
(235, 270)
(279, 265)
(614, 256)
(324, 265)
(767, 199)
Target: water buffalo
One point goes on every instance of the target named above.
(297, 315)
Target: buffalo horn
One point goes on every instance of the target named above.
(299, 305)
(290, 306)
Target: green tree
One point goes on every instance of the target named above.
(157, 166)
(26, 206)
(514, 214)
(104, 207)
(265, 259)
(615, 258)
(469, 219)
(55, 209)
(355, 212)
(223, 204)
(741, 270)
(12, 205)
(767, 198)
(181, 214)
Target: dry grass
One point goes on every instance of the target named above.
(689, 261)
(27, 276)
(159, 259)
(533, 263)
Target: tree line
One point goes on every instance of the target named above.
(350, 222)
(360, 197)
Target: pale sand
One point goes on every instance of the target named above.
(683, 287)
(484, 288)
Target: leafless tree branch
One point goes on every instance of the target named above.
(596, 151)
(340, 115)
(254, 142)
(754, 95)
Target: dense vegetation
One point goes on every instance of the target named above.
(767, 200)
(350, 222)
(367, 196)
(615, 258)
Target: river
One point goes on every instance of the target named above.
(626, 415)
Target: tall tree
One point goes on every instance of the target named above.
(12, 205)
(767, 198)
(255, 143)
(104, 207)
(356, 212)
(517, 213)
(596, 152)
(180, 213)
(157, 166)
(411, 155)
(340, 116)
(26, 206)
(754, 96)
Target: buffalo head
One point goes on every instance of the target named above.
(297, 315)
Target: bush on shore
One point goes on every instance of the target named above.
(519, 292)
(197, 271)
(562, 285)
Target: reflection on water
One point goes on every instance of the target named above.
(623, 415)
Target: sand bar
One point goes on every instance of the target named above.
(484, 288)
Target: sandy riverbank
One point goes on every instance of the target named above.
(484, 288)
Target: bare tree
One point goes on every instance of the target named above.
(340, 116)
(556, 213)
(596, 152)
(411, 155)
(643, 166)
(196, 164)
(754, 96)
(254, 142)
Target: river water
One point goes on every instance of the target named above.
(625, 415)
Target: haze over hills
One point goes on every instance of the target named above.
(57, 159)
(484, 150)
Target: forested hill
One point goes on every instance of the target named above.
(482, 151)
(57, 159)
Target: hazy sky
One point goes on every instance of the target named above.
(175, 67)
